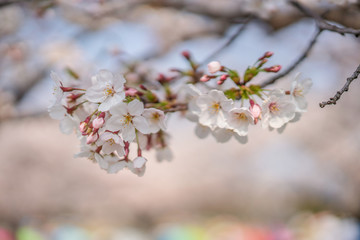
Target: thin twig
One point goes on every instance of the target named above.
(345, 88)
(296, 63)
(321, 23)
(228, 42)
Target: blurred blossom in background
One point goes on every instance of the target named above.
(300, 184)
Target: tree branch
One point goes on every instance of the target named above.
(345, 88)
(321, 23)
(228, 42)
(296, 63)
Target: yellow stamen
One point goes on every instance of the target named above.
(216, 107)
(241, 116)
(273, 107)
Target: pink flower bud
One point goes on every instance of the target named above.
(186, 54)
(266, 55)
(255, 110)
(83, 127)
(275, 68)
(131, 92)
(98, 122)
(93, 137)
(205, 78)
(224, 77)
(214, 67)
(220, 82)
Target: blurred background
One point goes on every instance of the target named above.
(300, 184)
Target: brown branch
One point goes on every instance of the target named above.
(345, 88)
(296, 63)
(228, 42)
(321, 23)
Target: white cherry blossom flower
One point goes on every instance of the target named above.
(115, 167)
(106, 160)
(213, 108)
(126, 117)
(138, 166)
(57, 91)
(110, 143)
(57, 111)
(298, 90)
(86, 150)
(108, 90)
(278, 109)
(155, 118)
(239, 120)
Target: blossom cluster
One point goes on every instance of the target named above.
(225, 117)
(108, 116)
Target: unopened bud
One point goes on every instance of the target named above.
(186, 54)
(93, 137)
(224, 77)
(98, 122)
(161, 78)
(131, 92)
(214, 67)
(266, 55)
(220, 82)
(274, 69)
(143, 87)
(205, 78)
(83, 127)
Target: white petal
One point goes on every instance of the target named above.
(67, 125)
(141, 124)
(115, 167)
(241, 139)
(102, 163)
(119, 109)
(136, 108)
(128, 133)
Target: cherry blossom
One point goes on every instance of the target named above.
(155, 118)
(278, 109)
(108, 90)
(213, 108)
(110, 143)
(298, 90)
(239, 120)
(126, 117)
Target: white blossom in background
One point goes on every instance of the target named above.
(115, 167)
(108, 90)
(138, 166)
(213, 109)
(278, 109)
(105, 160)
(126, 117)
(57, 91)
(299, 88)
